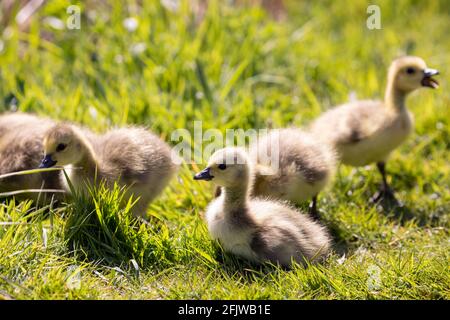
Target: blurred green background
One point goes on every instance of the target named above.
(231, 64)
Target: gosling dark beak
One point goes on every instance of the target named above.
(204, 175)
(47, 162)
(428, 80)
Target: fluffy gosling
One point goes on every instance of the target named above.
(133, 157)
(305, 166)
(256, 229)
(366, 131)
(21, 149)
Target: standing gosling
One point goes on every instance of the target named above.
(21, 149)
(133, 157)
(256, 229)
(365, 132)
(305, 166)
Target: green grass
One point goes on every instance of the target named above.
(235, 69)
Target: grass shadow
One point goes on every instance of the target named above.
(401, 213)
(342, 244)
(396, 210)
(246, 271)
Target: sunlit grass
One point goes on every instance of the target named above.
(234, 69)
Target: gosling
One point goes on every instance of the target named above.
(303, 166)
(133, 157)
(253, 228)
(21, 149)
(365, 132)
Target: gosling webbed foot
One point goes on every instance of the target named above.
(384, 194)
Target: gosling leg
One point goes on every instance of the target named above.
(385, 191)
(313, 208)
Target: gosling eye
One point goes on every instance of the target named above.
(222, 166)
(410, 70)
(60, 147)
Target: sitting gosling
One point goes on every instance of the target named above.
(21, 149)
(365, 132)
(256, 229)
(133, 157)
(304, 166)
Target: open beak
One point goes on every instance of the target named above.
(204, 175)
(428, 80)
(47, 162)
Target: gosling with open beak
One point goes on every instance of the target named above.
(428, 80)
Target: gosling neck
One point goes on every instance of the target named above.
(236, 196)
(395, 98)
(88, 162)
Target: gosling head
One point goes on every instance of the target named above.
(62, 146)
(410, 73)
(227, 168)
